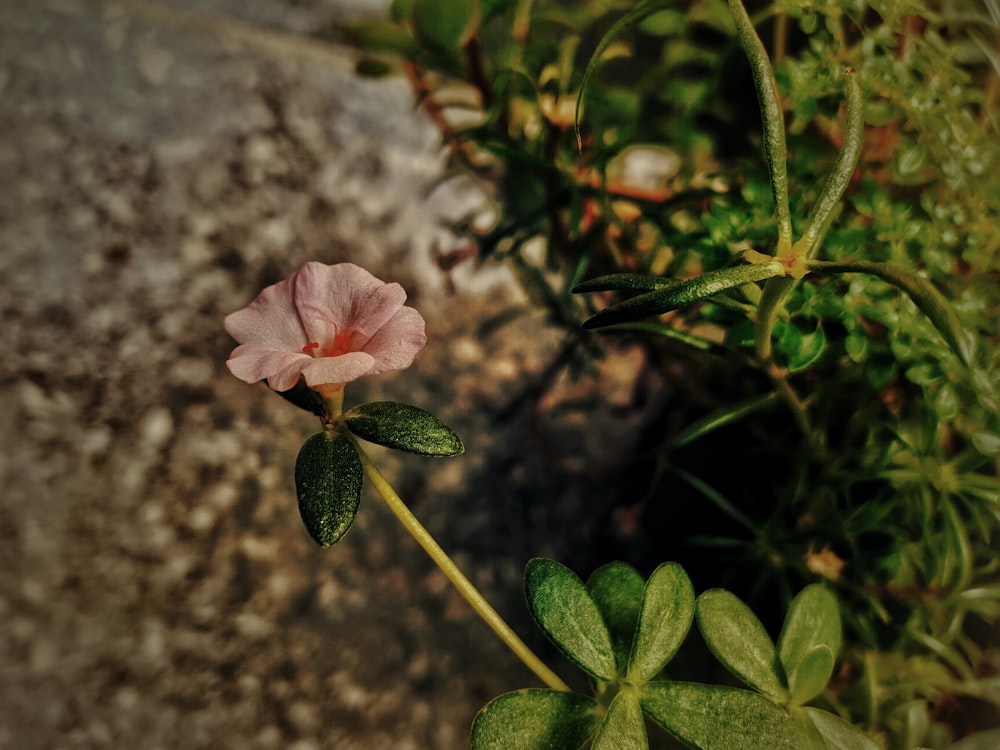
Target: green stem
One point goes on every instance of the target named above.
(771, 300)
(775, 291)
(458, 579)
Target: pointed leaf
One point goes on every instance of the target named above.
(535, 718)
(684, 293)
(564, 609)
(328, 479)
(712, 717)
(617, 588)
(640, 11)
(736, 637)
(810, 641)
(842, 172)
(403, 427)
(772, 116)
(623, 727)
(839, 734)
(624, 282)
(667, 613)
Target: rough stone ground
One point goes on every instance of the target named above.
(161, 163)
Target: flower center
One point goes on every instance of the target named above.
(340, 343)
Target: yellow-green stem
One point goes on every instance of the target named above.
(458, 579)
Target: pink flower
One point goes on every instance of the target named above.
(329, 324)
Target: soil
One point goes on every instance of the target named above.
(162, 163)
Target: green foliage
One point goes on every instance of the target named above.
(861, 375)
(328, 479)
(403, 427)
(589, 625)
(329, 471)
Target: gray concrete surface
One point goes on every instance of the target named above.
(161, 163)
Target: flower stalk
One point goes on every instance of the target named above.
(457, 578)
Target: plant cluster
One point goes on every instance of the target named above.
(852, 288)
(835, 311)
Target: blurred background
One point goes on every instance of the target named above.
(161, 163)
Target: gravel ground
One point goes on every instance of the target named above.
(162, 163)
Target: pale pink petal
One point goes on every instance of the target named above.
(313, 305)
(396, 344)
(270, 321)
(252, 363)
(344, 297)
(341, 369)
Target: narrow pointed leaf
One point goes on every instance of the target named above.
(924, 294)
(618, 588)
(722, 418)
(623, 727)
(634, 16)
(403, 427)
(565, 611)
(734, 634)
(624, 282)
(810, 641)
(328, 479)
(535, 718)
(712, 717)
(666, 616)
(843, 169)
(839, 734)
(684, 293)
(772, 116)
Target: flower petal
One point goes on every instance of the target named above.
(252, 363)
(341, 297)
(342, 369)
(270, 321)
(397, 342)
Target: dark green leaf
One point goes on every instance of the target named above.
(304, 397)
(403, 427)
(328, 479)
(446, 24)
(667, 612)
(623, 727)
(565, 611)
(734, 634)
(809, 642)
(722, 418)
(711, 717)
(623, 282)
(534, 719)
(617, 588)
(684, 293)
(800, 349)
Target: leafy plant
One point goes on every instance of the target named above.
(622, 633)
(829, 323)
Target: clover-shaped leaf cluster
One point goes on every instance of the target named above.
(622, 632)
(329, 472)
